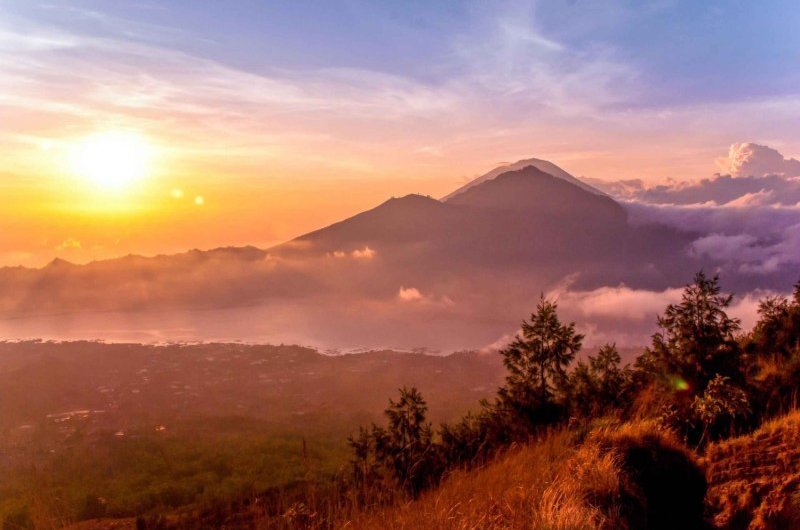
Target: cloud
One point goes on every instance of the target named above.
(748, 239)
(363, 253)
(719, 190)
(74, 80)
(628, 316)
(758, 176)
(432, 301)
(746, 224)
(748, 200)
(749, 159)
(785, 252)
(409, 294)
(724, 247)
(750, 254)
(619, 302)
(516, 58)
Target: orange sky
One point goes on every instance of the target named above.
(250, 195)
(278, 144)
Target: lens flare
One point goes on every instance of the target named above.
(678, 383)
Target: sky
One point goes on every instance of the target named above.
(251, 122)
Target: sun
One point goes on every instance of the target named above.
(112, 160)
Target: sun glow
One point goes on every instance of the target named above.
(112, 160)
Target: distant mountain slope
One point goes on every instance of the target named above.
(523, 215)
(542, 165)
(405, 219)
(413, 271)
(531, 190)
(524, 220)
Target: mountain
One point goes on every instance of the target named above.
(542, 165)
(412, 272)
(522, 219)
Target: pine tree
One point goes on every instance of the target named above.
(406, 445)
(537, 360)
(610, 378)
(697, 339)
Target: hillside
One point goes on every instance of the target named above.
(619, 477)
(240, 436)
(631, 475)
(754, 481)
(616, 476)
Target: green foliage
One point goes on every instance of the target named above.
(582, 386)
(599, 386)
(235, 418)
(696, 343)
(695, 375)
(696, 340)
(191, 466)
(773, 351)
(536, 361)
(777, 332)
(474, 438)
(404, 449)
(720, 406)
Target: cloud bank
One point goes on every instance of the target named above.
(628, 316)
(755, 175)
(748, 221)
(749, 159)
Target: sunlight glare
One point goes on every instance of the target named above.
(112, 160)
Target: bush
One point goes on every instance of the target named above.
(720, 406)
(403, 450)
(661, 484)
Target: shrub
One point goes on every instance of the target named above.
(661, 484)
(720, 406)
(404, 449)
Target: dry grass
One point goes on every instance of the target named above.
(514, 491)
(550, 485)
(755, 479)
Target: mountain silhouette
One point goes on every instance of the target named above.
(409, 272)
(519, 219)
(542, 165)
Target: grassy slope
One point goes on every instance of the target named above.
(755, 480)
(558, 484)
(615, 480)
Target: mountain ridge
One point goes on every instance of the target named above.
(544, 166)
(413, 271)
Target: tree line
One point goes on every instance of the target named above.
(701, 376)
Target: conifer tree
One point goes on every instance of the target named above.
(697, 339)
(537, 360)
